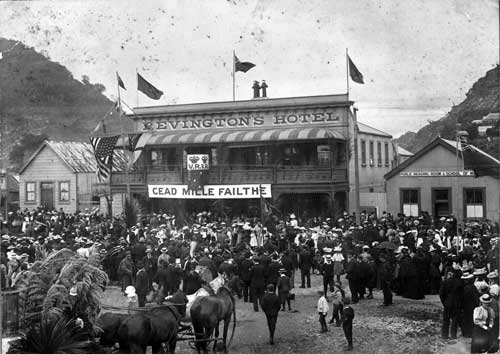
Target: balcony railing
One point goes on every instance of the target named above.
(225, 174)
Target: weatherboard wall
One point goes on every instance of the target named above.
(438, 159)
(48, 167)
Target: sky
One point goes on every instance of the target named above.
(418, 58)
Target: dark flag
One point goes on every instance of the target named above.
(133, 139)
(242, 66)
(356, 75)
(197, 179)
(148, 89)
(103, 152)
(120, 81)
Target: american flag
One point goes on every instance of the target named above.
(103, 152)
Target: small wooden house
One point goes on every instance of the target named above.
(59, 175)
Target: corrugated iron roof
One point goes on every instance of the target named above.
(79, 157)
(363, 128)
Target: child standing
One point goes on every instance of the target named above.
(284, 287)
(338, 296)
(347, 317)
(323, 309)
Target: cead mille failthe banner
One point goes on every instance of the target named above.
(232, 191)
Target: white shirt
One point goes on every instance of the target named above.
(323, 305)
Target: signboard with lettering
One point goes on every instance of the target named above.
(231, 191)
(197, 162)
(281, 119)
(465, 173)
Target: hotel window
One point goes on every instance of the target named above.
(386, 148)
(156, 159)
(474, 202)
(30, 192)
(341, 153)
(323, 155)
(379, 154)
(363, 153)
(64, 191)
(371, 156)
(410, 200)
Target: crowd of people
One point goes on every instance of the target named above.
(409, 256)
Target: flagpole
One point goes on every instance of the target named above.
(347, 70)
(234, 84)
(123, 143)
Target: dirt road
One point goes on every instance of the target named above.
(409, 326)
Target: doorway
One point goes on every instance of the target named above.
(47, 195)
(441, 200)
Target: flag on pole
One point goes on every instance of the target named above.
(120, 81)
(103, 152)
(242, 66)
(146, 88)
(355, 74)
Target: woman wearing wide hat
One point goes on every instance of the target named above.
(483, 323)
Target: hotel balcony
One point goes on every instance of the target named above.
(226, 174)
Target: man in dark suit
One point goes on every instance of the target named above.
(257, 276)
(141, 284)
(305, 264)
(451, 294)
(271, 306)
(245, 266)
(347, 317)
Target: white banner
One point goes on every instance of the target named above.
(465, 173)
(230, 191)
(197, 162)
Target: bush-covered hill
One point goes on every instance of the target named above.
(480, 100)
(41, 99)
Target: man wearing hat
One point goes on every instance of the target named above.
(284, 288)
(271, 306)
(257, 276)
(469, 303)
(327, 271)
(451, 293)
(305, 264)
(126, 270)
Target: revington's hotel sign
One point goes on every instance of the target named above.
(325, 117)
(235, 191)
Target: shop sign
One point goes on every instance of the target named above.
(230, 191)
(465, 173)
(197, 162)
(289, 119)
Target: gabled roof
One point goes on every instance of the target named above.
(77, 156)
(448, 144)
(482, 163)
(366, 129)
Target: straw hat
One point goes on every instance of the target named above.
(480, 271)
(485, 299)
(492, 275)
(467, 276)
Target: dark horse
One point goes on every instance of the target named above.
(206, 314)
(153, 327)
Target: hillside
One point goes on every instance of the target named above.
(480, 100)
(41, 99)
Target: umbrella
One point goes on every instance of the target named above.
(387, 245)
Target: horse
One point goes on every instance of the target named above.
(206, 314)
(153, 327)
(108, 324)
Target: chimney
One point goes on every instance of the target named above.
(264, 89)
(256, 89)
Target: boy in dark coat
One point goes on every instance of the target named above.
(271, 306)
(347, 317)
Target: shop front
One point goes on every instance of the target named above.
(291, 152)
